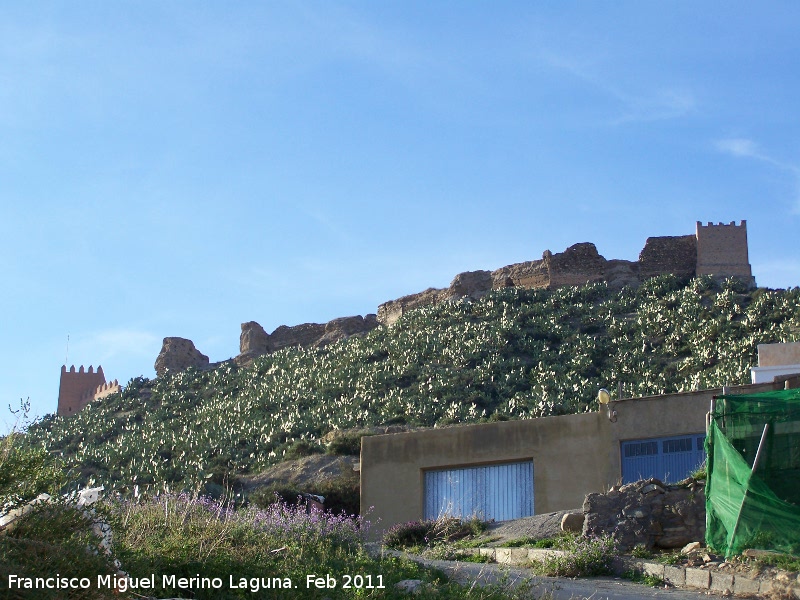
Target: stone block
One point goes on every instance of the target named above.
(644, 567)
(744, 586)
(511, 556)
(698, 578)
(690, 547)
(675, 575)
(541, 554)
(488, 552)
(572, 522)
(721, 581)
(653, 569)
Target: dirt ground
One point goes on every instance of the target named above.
(546, 525)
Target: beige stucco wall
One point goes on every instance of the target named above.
(773, 355)
(572, 455)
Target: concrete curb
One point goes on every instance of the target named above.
(695, 578)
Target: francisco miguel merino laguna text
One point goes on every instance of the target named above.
(123, 583)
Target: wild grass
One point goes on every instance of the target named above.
(560, 542)
(585, 557)
(430, 532)
(342, 494)
(643, 578)
(785, 562)
(248, 551)
(53, 539)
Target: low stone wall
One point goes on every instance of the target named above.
(649, 513)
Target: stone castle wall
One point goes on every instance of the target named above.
(104, 390)
(254, 341)
(722, 250)
(676, 255)
(531, 274)
(719, 250)
(77, 388)
(178, 354)
(577, 265)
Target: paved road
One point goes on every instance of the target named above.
(593, 588)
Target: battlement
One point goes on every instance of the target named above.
(79, 388)
(722, 251)
(103, 390)
(742, 223)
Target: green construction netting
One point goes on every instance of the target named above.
(746, 507)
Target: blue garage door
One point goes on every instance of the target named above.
(668, 459)
(498, 492)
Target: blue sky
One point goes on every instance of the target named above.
(178, 168)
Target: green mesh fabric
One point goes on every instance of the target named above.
(761, 508)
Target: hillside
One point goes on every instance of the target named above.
(515, 353)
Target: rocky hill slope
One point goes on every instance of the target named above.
(513, 353)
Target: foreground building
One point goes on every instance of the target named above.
(514, 469)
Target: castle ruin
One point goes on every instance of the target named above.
(717, 250)
(79, 388)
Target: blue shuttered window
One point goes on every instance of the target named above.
(668, 459)
(498, 492)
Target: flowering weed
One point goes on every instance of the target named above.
(586, 557)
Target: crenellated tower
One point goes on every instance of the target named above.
(722, 251)
(78, 388)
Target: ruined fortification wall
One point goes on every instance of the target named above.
(668, 254)
(577, 265)
(722, 250)
(77, 388)
(389, 312)
(530, 274)
(297, 335)
(719, 250)
(620, 273)
(178, 354)
(104, 391)
(254, 341)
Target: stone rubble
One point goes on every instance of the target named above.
(648, 513)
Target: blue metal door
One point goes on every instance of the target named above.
(668, 459)
(498, 492)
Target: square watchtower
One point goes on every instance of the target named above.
(722, 251)
(77, 388)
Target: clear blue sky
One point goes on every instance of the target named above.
(177, 168)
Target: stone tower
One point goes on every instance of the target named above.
(722, 251)
(78, 388)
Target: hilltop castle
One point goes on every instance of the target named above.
(719, 250)
(78, 388)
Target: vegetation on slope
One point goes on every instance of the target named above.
(515, 353)
(192, 546)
